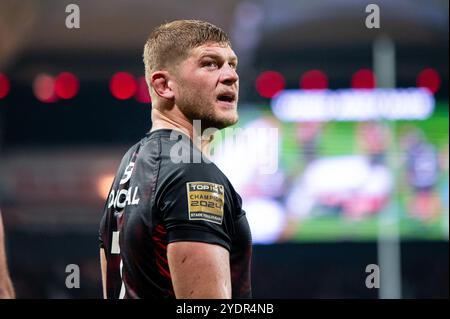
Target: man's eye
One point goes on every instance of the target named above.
(211, 64)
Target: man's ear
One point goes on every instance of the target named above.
(160, 84)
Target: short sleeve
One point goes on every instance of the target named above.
(194, 206)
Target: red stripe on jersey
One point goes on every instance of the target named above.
(159, 237)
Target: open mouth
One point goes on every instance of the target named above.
(226, 97)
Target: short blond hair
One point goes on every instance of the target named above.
(171, 42)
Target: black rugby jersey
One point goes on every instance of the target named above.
(165, 192)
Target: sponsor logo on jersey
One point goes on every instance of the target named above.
(125, 196)
(205, 201)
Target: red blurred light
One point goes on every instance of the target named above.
(314, 80)
(363, 79)
(4, 86)
(429, 79)
(123, 85)
(44, 88)
(66, 85)
(269, 83)
(142, 94)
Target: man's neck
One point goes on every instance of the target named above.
(175, 120)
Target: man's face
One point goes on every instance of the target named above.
(207, 86)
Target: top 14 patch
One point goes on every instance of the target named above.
(205, 201)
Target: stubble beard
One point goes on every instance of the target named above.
(194, 107)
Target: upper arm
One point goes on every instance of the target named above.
(6, 287)
(199, 270)
(103, 264)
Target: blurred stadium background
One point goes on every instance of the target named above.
(362, 175)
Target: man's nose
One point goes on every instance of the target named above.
(229, 75)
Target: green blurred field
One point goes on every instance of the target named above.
(339, 138)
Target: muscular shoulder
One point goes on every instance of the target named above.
(182, 161)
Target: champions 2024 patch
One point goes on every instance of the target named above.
(205, 201)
